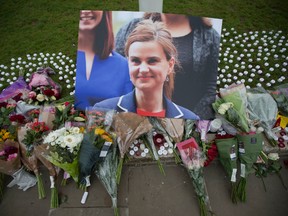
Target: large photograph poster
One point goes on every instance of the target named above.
(153, 64)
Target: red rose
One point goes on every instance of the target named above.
(17, 118)
(17, 97)
(3, 104)
(48, 92)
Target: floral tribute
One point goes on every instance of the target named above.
(108, 136)
(43, 90)
(193, 159)
(96, 143)
(64, 145)
(34, 135)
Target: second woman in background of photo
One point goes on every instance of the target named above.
(101, 73)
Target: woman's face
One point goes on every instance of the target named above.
(148, 66)
(89, 19)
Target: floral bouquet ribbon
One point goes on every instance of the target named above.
(193, 159)
(250, 147)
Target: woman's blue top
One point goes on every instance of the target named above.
(109, 78)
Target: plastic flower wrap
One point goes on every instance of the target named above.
(34, 135)
(227, 148)
(170, 129)
(65, 112)
(250, 147)
(10, 164)
(193, 159)
(95, 145)
(233, 106)
(230, 118)
(19, 87)
(9, 157)
(128, 127)
(31, 159)
(106, 173)
(43, 90)
(203, 128)
(280, 95)
(64, 145)
(263, 111)
(189, 126)
(8, 120)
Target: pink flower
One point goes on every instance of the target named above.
(32, 94)
(12, 156)
(2, 153)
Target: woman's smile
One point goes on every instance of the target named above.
(148, 65)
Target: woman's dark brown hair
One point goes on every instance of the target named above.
(104, 42)
(147, 30)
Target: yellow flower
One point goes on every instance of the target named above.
(82, 129)
(99, 131)
(107, 137)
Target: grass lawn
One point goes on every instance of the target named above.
(51, 26)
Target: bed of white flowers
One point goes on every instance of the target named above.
(256, 58)
(253, 58)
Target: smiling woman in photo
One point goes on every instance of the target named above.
(151, 59)
(97, 64)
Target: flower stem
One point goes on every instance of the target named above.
(54, 198)
(119, 170)
(54, 202)
(203, 210)
(234, 192)
(241, 190)
(41, 191)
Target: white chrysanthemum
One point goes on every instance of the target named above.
(70, 141)
(74, 130)
(51, 137)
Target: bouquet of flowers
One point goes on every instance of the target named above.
(280, 95)
(64, 145)
(169, 129)
(16, 91)
(106, 173)
(95, 145)
(6, 111)
(263, 111)
(236, 94)
(9, 155)
(10, 164)
(43, 90)
(31, 162)
(65, 112)
(230, 117)
(41, 95)
(227, 148)
(34, 135)
(250, 147)
(193, 159)
(128, 127)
